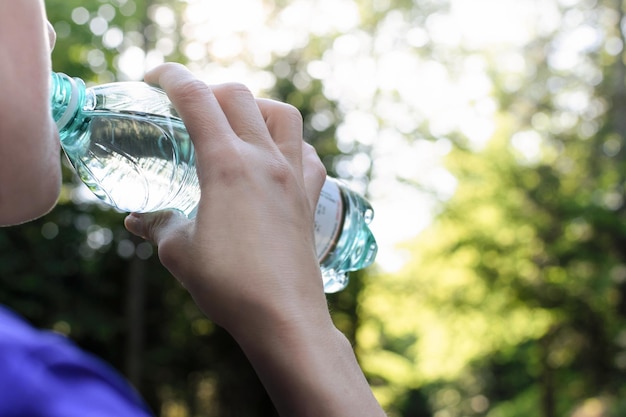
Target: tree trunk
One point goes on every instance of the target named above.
(135, 304)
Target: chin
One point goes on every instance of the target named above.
(32, 213)
(31, 202)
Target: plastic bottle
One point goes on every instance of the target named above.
(128, 145)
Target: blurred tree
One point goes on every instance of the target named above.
(512, 303)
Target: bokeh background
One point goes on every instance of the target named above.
(489, 137)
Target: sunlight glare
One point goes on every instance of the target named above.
(480, 22)
(132, 63)
(528, 144)
(228, 17)
(386, 89)
(164, 17)
(321, 17)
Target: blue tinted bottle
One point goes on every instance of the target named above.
(129, 146)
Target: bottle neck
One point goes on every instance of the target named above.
(66, 95)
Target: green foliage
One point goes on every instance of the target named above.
(518, 285)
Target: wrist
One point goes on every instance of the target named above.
(307, 365)
(284, 318)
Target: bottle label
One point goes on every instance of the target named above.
(328, 219)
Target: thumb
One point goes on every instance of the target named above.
(170, 231)
(154, 227)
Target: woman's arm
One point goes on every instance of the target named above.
(248, 258)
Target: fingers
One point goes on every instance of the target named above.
(227, 114)
(243, 113)
(195, 102)
(314, 174)
(153, 227)
(284, 123)
(228, 110)
(171, 232)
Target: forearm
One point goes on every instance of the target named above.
(309, 368)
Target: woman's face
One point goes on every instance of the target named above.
(30, 179)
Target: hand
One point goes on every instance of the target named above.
(249, 255)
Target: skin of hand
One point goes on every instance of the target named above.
(255, 218)
(248, 258)
(30, 172)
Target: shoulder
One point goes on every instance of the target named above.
(45, 374)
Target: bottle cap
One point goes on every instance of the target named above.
(69, 111)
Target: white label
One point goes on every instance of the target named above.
(328, 219)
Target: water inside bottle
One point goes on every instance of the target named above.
(135, 162)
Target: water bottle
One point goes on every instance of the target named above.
(130, 147)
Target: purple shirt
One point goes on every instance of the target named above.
(43, 374)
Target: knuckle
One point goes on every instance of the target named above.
(279, 115)
(319, 170)
(310, 154)
(172, 66)
(236, 90)
(280, 172)
(312, 162)
(191, 88)
(291, 113)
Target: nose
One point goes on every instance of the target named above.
(52, 35)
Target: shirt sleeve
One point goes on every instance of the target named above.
(49, 376)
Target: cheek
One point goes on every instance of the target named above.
(29, 194)
(41, 178)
